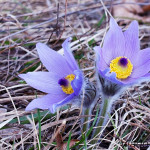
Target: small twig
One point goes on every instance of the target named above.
(127, 143)
(64, 23)
(111, 7)
(12, 103)
(56, 23)
(4, 100)
(139, 106)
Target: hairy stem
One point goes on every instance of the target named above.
(103, 118)
(86, 119)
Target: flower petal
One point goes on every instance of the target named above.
(44, 81)
(142, 63)
(46, 102)
(64, 101)
(77, 82)
(132, 42)
(68, 54)
(53, 61)
(131, 81)
(110, 76)
(114, 42)
(101, 64)
(146, 76)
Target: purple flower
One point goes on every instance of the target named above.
(63, 81)
(120, 60)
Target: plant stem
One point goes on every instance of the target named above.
(86, 119)
(39, 119)
(103, 118)
(103, 114)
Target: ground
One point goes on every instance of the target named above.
(24, 23)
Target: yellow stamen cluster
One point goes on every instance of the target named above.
(68, 89)
(122, 72)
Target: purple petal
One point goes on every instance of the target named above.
(114, 42)
(63, 102)
(46, 102)
(129, 81)
(142, 64)
(101, 64)
(132, 81)
(112, 77)
(132, 42)
(68, 54)
(53, 61)
(44, 81)
(146, 76)
(77, 83)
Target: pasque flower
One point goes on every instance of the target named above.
(62, 82)
(120, 63)
(120, 60)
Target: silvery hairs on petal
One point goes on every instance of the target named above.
(108, 88)
(88, 95)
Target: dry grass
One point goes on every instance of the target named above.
(23, 24)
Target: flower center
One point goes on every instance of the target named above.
(65, 83)
(123, 62)
(122, 67)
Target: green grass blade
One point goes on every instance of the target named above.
(39, 120)
(68, 143)
(101, 21)
(85, 146)
(140, 100)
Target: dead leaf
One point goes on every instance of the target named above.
(59, 141)
(146, 8)
(61, 145)
(72, 142)
(130, 9)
